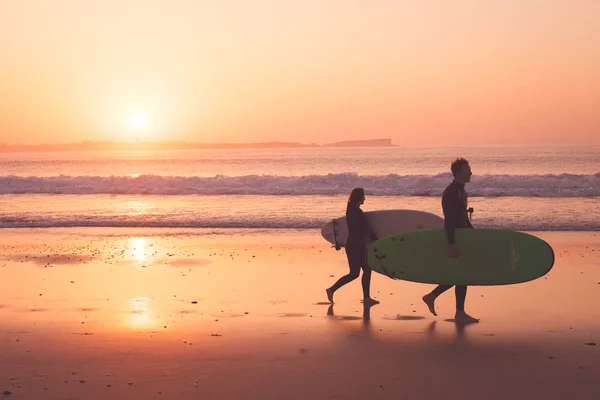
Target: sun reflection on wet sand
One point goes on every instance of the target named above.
(137, 249)
(141, 316)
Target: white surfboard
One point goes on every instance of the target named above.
(384, 223)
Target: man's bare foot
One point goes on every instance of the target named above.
(370, 302)
(430, 301)
(329, 295)
(462, 317)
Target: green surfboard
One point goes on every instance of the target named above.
(487, 257)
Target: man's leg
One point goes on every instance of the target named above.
(429, 299)
(461, 316)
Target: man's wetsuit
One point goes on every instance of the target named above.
(454, 203)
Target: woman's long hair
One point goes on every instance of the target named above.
(355, 197)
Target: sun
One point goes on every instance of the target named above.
(138, 121)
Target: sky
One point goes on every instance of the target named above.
(423, 73)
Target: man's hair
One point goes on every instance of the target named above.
(457, 165)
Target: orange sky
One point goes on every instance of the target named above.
(420, 72)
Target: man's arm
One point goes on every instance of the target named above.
(450, 204)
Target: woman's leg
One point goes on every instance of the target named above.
(355, 263)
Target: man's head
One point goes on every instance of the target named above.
(461, 170)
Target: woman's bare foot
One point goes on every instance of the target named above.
(430, 301)
(329, 295)
(462, 317)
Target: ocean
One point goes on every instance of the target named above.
(518, 188)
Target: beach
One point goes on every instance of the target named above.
(169, 172)
(96, 313)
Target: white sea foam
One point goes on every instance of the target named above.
(563, 185)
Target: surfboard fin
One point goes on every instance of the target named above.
(335, 235)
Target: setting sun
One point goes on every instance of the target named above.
(138, 121)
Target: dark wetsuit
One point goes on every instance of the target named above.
(356, 249)
(454, 203)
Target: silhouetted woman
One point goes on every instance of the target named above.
(359, 233)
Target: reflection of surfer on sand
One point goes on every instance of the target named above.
(359, 234)
(454, 204)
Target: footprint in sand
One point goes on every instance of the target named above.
(226, 315)
(292, 315)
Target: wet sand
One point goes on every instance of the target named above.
(241, 314)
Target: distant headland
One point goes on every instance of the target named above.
(182, 145)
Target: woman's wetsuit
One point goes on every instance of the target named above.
(356, 249)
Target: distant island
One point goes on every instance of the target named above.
(181, 145)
